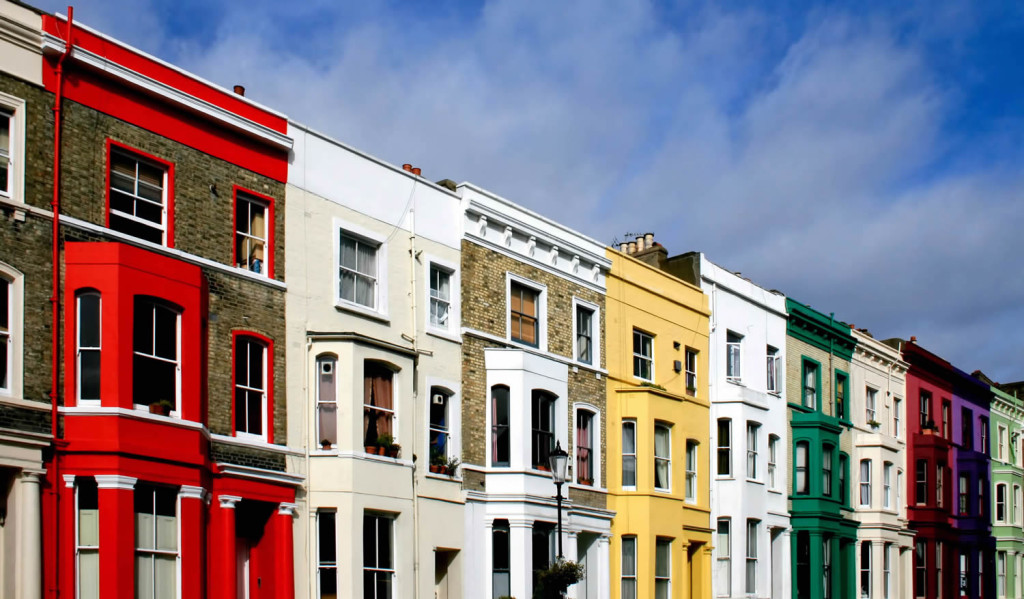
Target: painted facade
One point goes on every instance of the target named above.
(877, 389)
(1007, 452)
(374, 336)
(824, 534)
(533, 356)
(658, 443)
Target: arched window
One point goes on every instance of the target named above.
(88, 346)
(500, 439)
(251, 378)
(327, 400)
(584, 447)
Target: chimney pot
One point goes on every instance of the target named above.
(407, 167)
(640, 243)
(623, 247)
(240, 90)
(649, 240)
(632, 248)
(416, 171)
(913, 338)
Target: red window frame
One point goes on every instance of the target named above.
(168, 191)
(268, 344)
(269, 252)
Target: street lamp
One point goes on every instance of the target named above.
(558, 460)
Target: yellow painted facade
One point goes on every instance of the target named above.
(675, 314)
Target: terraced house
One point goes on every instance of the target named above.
(375, 379)
(533, 380)
(658, 475)
(824, 535)
(1007, 452)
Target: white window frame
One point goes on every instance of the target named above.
(79, 347)
(79, 547)
(392, 571)
(452, 331)
(267, 380)
(865, 570)
(16, 151)
(320, 564)
(1000, 504)
(897, 403)
(628, 577)
(731, 348)
(1001, 443)
(595, 332)
(325, 358)
(666, 458)
(595, 440)
(721, 449)
(636, 473)
(165, 198)
(865, 483)
(667, 544)
(14, 335)
(380, 308)
(542, 311)
(692, 469)
(773, 456)
(887, 485)
(870, 404)
(886, 570)
(649, 359)
(750, 573)
(176, 412)
(723, 556)
(691, 369)
(753, 429)
(1001, 573)
(268, 220)
(774, 373)
(1017, 508)
(154, 552)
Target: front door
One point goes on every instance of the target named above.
(242, 569)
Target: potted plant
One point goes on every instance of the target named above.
(874, 423)
(589, 482)
(543, 467)
(162, 407)
(451, 467)
(370, 449)
(394, 450)
(325, 444)
(384, 444)
(438, 462)
(553, 582)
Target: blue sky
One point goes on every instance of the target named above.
(861, 157)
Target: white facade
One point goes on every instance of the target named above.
(878, 471)
(749, 444)
(373, 349)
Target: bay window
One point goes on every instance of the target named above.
(500, 437)
(378, 403)
(87, 353)
(156, 542)
(327, 401)
(156, 367)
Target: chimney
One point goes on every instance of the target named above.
(632, 248)
(240, 90)
(913, 338)
(623, 247)
(649, 240)
(640, 243)
(416, 171)
(407, 167)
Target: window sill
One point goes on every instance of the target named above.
(525, 345)
(663, 491)
(737, 382)
(754, 481)
(361, 310)
(444, 334)
(443, 477)
(775, 491)
(724, 477)
(775, 393)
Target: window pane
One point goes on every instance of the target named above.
(629, 556)
(165, 333)
(326, 537)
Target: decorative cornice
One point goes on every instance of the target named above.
(228, 501)
(286, 478)
(115, 481)
(286, 509)
(21, 35)
(190, 492)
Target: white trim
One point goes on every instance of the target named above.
(172, 252)
(641, 356)
(25, 403)
(380, 307)
(542, 311)
(595, 444)
(115, 481)
(228, 501)
(253, 443)
(266, 382)
(69, 481)
(260, 474)
(286, 509)
(495, 247)
(595, 332)
(454, 297)
(191, 492)
(78, 341)
(17, 147)
(53, 44)
(529, 349)
(137, 414)
(622, 453)
(15, 332)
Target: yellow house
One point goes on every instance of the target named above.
(658, 413)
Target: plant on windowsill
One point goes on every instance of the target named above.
(451, 467)
(929, 428)
(543, 467)
(553, 582)
(653, 386)
(691, 391)
(587, 482)
(325, 445)
(437, 461)
(162, 407)
(387, 445)
(874, 423)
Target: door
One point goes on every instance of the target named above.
(242, 569)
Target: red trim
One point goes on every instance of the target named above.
(269, 250)
(168, 186)
(268, 344)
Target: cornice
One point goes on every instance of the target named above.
(21, 35)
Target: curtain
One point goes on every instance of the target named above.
(661, 451)
(583, 446)
(377, 394)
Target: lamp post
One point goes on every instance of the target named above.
(558, 460)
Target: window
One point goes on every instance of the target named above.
(628, 568)
(500, 437)
(543, 539)
(138, 199)
(358, 270)
(865, 483)
(800, 486)
(691, 371)
(87, 355)
(524, 314)
(773, 448)
(752, 556)
(947, 421)
(921, 494)
(826, 471)
(752, 430)
(440, 427)
(966, 433)
(887, 570)
(643, 355)
(327, 401)
(940, 470)
(887, 485)
(629, 454)
(963, 573)
(156, 542)
(803, 564)
(870, 396)
(7, 165)
(87, 553)
(662, 457)
(6, 322)
(840, 396)
(584, 447)
(663, 569)
(810, 377)
(844, 471)
(156, 374)
(327, 555)
(542, 427)
(584, 334)
(378, 402)
(963, 508)
(865, 570)
(378, 561)
(723, 562)
(733, 352)
(1016, 505)
(925, 413)
(774, 360)
(724, 447)
(897, 405)
(501, 578)
(938, 568)
(983, 435)
(1001, 503)
(1001, 574)
(899, 489)
(250, 386)
(826, 567)
(440, 296)
(691, 470)
(920, 569)
(253, 226)
(1001, 443)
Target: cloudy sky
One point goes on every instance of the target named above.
(864, 158)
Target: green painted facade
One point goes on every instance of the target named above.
(823, 537)
(1007, 441)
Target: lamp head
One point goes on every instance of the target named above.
(558, 460)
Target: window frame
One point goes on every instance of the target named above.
(870, 405)
(690, 357)
(321, 402)
(167, 224)
(15, 108)
(268, 204)
(268, 386)
(753, 430)
(499, 526)
(376, 569)
(14, 385)
(643, 358)
(947, 419)
(361, 234)
(595, 436)
(391, 412)
(750, 573)
(595, 332)
(626, 457)
(733, 357)
(1000, 504)
(798, 469)
(966, 428)
(924, 410)
(723, 449)
(921, 494)
(723, 555)
(864, 497)
(541, 398)
(79, 347)
(627, 577)
(692, 470)
(452, 329)
(865, 569)
(897, 403)
(321, 565)
(446, 429)
(79, 547)
(665, 578)
(666, 459)
(154, 552)
(828, 452)
(773, 457)
(541, 303)
(887, 485)
(496, 429)
(963, 490)
(1001, 442)
(773, 384)
(840, 394)
(806, 365)
(155, 303)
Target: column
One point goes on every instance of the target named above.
(816, 564)
(520, 554)
(603, 561)
(190, 541)
(571, 553)
(66, 515)
(223, 550)
(284, 565)
(117, 535)
(30, 549)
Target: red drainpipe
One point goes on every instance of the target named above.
(55, 298)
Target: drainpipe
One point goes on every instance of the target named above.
(413, 256)
(55, 298)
